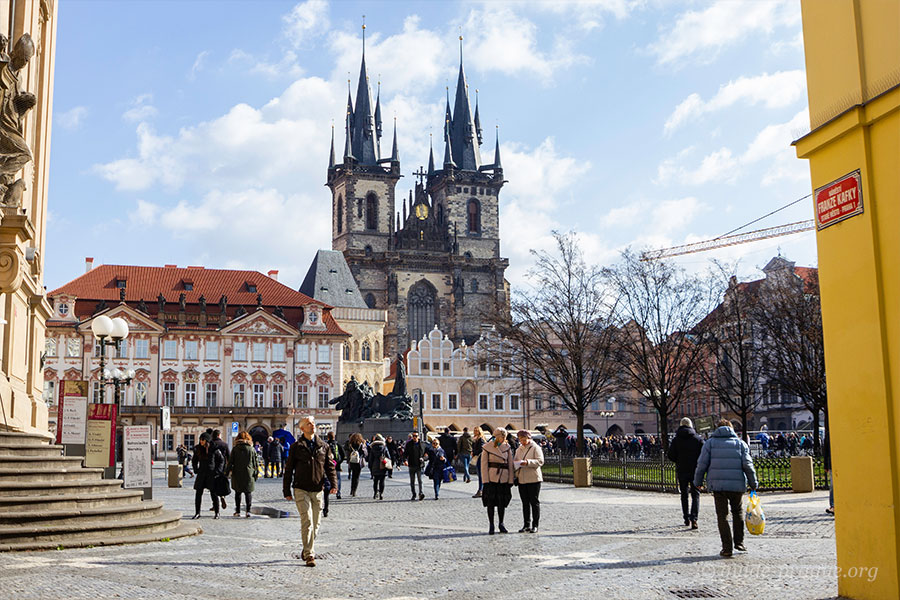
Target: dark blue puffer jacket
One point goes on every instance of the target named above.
(726, 463)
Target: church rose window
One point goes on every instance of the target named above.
(422, 316)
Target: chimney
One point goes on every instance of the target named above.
(274, 274)
(88, 264)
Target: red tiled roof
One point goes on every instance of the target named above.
(146, 283)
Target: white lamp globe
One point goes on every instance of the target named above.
(119, 328)
(106, 374)
(102, 326)
(117, 374)
(130, 373)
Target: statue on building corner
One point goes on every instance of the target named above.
(142, 306)
(14, 150)
(182, 301)
(202, 301)
(161, 301)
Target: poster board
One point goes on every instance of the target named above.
(72, 413)
(136, 463)
(100, 447)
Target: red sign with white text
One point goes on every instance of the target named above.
(839, 200)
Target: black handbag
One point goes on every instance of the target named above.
(221, 487)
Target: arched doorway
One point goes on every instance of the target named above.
(259, 433)
(614, 430)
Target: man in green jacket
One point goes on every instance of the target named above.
(465, 452)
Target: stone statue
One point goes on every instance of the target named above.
(202, 301)
(14, 103)
(142, 306)
(161, 301)
(400, 383)
(459, 288)
(259, 301)
(241, 311)
(100, 307)
(359, 402)
(121, 294)
(223, 304)
(279, 312)
(182, 301)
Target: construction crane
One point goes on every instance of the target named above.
(730, 240)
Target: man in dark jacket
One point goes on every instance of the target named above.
(276, 456)
(684, 452)
(414, 452)
(726, 463)
(309, 463)
(219, 444)
(448, 444)
(464, 445)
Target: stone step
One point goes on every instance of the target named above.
(54, 473)
(32, 450)
(55, 488)
(13, 461)
(14, 438)
(49, 517)
(183, 529)
(94, 528)
(115, 497)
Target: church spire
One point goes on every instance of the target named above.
(448, 150)
(497, 165)
(430, 156)
(348, 144)
(331, 156)
(362, 127)
(478, 121)
(462, 127)
(395, 155)
(378, 110)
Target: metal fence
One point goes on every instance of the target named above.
(658, 475)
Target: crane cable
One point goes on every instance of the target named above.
(763, 217)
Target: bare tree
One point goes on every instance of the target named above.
(556, 334)
(659, 305)
(789, 317)
(732, 369)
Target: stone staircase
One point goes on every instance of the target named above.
(49, 501)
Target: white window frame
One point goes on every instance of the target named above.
(170, 389)
(170, 349)
(259, 352)
(323, 353)
(70, 346)
(211, 394)
(211, 350)
(190, 393)
(436, 396)
(324, 395)
(50, 347)
(514, 405)
(486, 405)
(278, 352)
(259, 395)
(240, 352)
(142, 348)
(303, 353)
(191, 350)
(302, 395)
(452, 401)
(239, 395)
(498, 402)
(277, 395)
(140, 393)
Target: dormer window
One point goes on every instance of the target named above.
(187, 285)
(121, 283)
(63, 309)
(251, 287)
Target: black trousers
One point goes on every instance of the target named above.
(531, 503)
(686, 487)
(378, 481)
(198, 500)
(724, 500)
(355, 469)
(237, 500)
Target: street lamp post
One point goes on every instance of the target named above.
(607, 414)
(110, 332)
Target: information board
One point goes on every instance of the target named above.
(136, 463)
(100, 446)
(71, 415)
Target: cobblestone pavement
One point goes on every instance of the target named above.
(593, 543)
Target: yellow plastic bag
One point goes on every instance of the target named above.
(755, 518)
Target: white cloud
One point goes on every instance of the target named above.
(199, 64)
(71, 119)
(772, 91)
(141, 109)
(703, 34)
(589, 15)
(717, 166)
(306, 20)
(145, 214)
(499, 40)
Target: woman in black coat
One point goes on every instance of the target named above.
(208, 463)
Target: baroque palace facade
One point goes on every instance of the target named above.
(256, 352)
(27, 58)
(432, 258)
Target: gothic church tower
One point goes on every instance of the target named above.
(439, 264)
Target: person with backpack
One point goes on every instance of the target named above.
(684, 451)
(380, 464)
(356, 456)
(338, 453)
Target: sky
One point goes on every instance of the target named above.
(197, 132)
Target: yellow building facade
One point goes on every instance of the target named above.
(23, 207)
(853, 78)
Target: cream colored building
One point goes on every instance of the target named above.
(456, 393)
(23, 306)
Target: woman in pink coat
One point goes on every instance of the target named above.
(497, 472)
